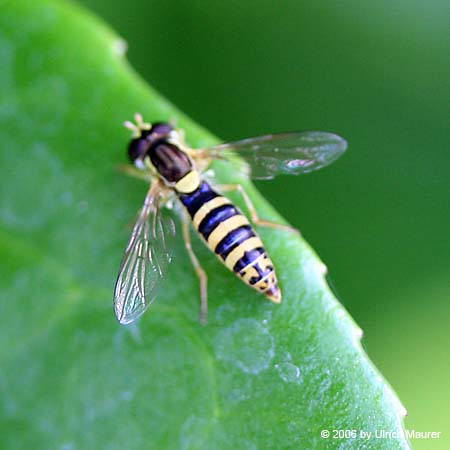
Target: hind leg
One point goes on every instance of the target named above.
(252, 210)
(198, 270)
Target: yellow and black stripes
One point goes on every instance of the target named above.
(229, 234)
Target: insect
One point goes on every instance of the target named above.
(160, 156)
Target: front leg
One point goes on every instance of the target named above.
(134, 172)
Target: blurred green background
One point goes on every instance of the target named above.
(376, 73)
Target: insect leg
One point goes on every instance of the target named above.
(134, 172)
(253, 213)
(198, 270)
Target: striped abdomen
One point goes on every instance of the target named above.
(229, 234)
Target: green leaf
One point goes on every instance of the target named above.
(258, 375)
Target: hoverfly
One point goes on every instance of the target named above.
(160, 155)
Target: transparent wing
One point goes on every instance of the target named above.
(286, 153)
(145, 262)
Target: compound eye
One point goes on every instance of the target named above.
(161, 129)
(137, 148)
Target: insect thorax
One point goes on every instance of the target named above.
(169, 161)
(174, 166)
